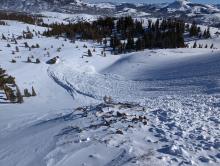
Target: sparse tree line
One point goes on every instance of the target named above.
(12, 92)
(13, 40)
(3, 23)
(22, 17)
(126, 34)
(195, 31)
(28, 34)
(196, 45)
(83, 30)
(29, 60)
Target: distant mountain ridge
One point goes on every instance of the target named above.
(188, 6)
(80, 5)
(36, 5)
(63, 6)
(184, 9)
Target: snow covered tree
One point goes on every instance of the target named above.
(105, 42)
(9, 93)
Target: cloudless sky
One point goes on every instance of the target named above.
(157, 1)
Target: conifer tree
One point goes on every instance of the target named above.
(29, 60)
(130, 43)
(19, 96)
(17, 49)
(26, 93)
(3, 37)
(89, 53)
(37, 61)
(208, 35)
(205, 33)
(138, 44)
(194, 30)
(195, 45)
(26, 45)
(33, 92)
(13, 61)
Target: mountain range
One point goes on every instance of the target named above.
(208, 14)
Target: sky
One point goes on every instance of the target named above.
(157, 1)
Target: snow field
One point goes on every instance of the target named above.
(175, 91)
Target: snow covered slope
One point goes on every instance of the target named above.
(186, 5)
(165, 108)
(181, 5)
(33, 5)
(65, 6)
(56, 17)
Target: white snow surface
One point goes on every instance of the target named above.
(56, 17)
(175, 91)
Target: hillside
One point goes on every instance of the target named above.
(152, 107)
